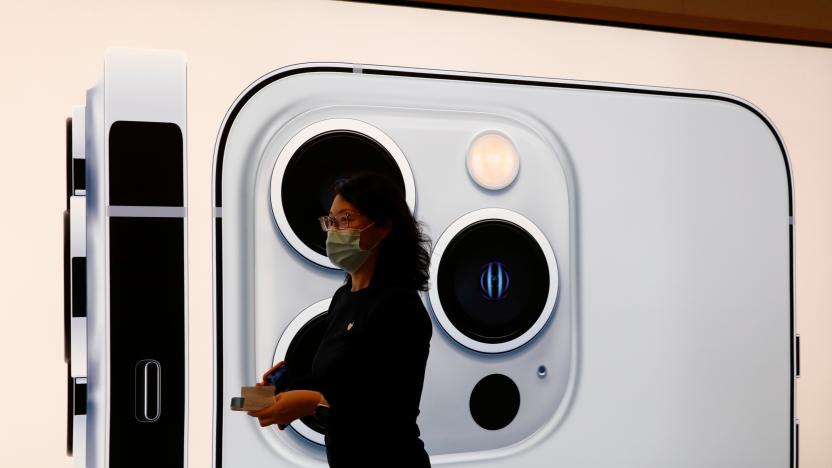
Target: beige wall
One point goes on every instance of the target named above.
(807, 21)
(51, 52)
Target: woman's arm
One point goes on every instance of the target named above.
(309, 382)
(288, 406)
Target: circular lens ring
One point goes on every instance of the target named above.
(508, 305)
(306, 427)
(441, 246)
(302, 231)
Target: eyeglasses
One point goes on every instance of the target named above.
(340, 221)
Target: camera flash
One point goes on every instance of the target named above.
(492, 161)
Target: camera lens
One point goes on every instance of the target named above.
(301, 353)
(493, 281)
(316, 167)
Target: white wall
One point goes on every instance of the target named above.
(51, 52)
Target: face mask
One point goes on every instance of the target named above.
(342, 248)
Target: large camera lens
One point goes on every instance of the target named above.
(495, 282)
(297, 346)
(316, 167)
(310, 166)
(301, 353)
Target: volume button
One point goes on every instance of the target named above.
(67, 286)
(78, 176)
(797, 355)
(77, 416)
(78, 285)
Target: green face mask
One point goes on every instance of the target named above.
(342, 248)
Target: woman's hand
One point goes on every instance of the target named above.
(287, 407)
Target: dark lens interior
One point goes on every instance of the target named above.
(494, 402)
(493, 281)
(314, 169)
(301, 353)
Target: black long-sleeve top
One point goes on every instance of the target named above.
(370, 367)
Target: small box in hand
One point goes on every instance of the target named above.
(275, 380)
(253, 398)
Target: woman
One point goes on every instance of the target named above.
(370, 364)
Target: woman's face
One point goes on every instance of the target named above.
(371, 236)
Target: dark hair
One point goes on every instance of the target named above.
(404, 255)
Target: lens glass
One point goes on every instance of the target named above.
(301, 353)
(493, 281)
(316, 167)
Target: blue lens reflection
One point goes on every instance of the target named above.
(494, 281)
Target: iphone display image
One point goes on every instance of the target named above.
(125, 265)
(611, 273)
